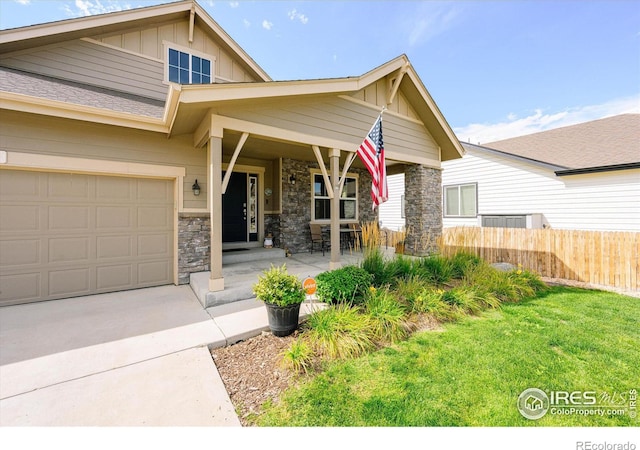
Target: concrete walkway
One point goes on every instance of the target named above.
(133, 358)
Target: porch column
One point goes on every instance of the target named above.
(423, 215)
(334, 167)
(216, 281)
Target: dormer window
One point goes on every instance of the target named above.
(187, 68)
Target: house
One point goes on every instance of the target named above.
(581, 177)
(136, 146)
(392, 212)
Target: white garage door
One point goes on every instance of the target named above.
(65, 235)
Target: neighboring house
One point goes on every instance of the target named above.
(582, 177)
(135, 146)
(392, 213)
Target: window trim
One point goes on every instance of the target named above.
(459, 186)
(355, 176)
(191, 52)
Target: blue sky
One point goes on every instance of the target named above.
(496, 69)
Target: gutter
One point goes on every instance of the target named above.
(611, 168)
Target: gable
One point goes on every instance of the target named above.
(376, 94)
(151, 41)
(341, 119)
(144, 33)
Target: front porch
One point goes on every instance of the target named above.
(241, 270)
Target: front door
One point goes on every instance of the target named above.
(234, 209)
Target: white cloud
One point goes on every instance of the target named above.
(234, 4)
(429, 20)
(23, 2)
(267, 25)
(246, 23)
(482, 133)
(295, 15)
(92, 7)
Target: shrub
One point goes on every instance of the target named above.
(430, 302)
(399, 268)
(531, 279)
(510, 286)
(435, 269)
(339, 331)
(388, 321)
(277, 287)
(463, 299)
(462, 263)
(375, 265)
(485, 297)
(298, 357)
(347, 284)
(407, 291)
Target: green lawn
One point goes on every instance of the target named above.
(472, 373)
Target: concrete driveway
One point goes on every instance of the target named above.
(131, 358)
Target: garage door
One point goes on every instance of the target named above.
(65, 235)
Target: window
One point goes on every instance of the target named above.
(185, 68)
(322, 202)
(460, 200)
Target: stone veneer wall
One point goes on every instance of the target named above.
(296, 204)
(272, 225)
(423, 192)
(194, 249)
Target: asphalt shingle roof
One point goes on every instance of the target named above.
(19, 82)
(604, 142)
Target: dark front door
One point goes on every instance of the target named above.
(234, 209)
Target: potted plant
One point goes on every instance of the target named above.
(282, 294)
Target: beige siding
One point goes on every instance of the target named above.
(376, 94)
(343, 120)
(149, 42)
(95, 65)
(51, 136)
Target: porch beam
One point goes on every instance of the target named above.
(207, 128)
(232, 163)
(323, 169)
(261, 130)
(334, 162)
(396, 84)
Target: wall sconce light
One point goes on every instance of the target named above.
(196, 188)
(292, 179)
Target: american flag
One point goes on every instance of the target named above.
(371, 152)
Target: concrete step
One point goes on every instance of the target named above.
(234, 256)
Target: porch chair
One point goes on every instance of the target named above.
(318, 238)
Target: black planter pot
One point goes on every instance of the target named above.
(283, 320)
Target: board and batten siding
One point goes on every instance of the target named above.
(376, 93)
(390, 214)
(95, 65)
(343, 120)
(606, 201)
(149, 42)
(25, 133)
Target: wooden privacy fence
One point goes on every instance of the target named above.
(608, 258)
